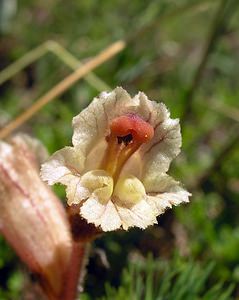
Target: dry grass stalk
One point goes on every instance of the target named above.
(63, 85)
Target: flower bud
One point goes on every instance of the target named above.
(32, 219)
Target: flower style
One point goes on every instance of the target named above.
(116, 169)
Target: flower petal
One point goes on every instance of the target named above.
(129, 190)
(61, 164)
(164, 192)
(104, 215)
(151, 111)
(158, 154)
(99, 183)
(91, 124)
(75, 192)
(139, 215)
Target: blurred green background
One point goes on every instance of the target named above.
(182, 52)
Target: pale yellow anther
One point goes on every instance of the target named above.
(99, 183)
(129, 189)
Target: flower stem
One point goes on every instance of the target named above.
(75, 272)
(83, 234)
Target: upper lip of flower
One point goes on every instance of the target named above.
(132, 141)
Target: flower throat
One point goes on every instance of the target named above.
(127, 134)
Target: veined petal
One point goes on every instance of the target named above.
(158, 154)
(99, 183)
(163, 192)
(139, 215)
(151, 111)
(75, 192)
(62, 163)
(103, 215)
(91, 124)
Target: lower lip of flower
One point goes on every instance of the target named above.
(127, 134)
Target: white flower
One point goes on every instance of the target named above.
(116, 169)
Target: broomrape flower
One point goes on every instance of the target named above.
(116, 170)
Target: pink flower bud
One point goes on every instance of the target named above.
(32, 219)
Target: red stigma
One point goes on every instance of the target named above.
(141, 131)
